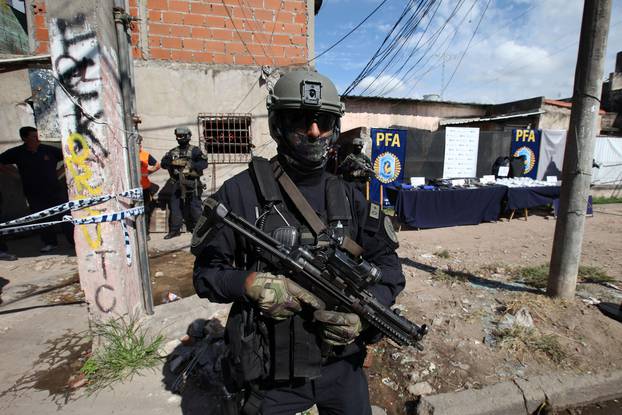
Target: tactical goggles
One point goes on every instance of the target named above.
(302, 120)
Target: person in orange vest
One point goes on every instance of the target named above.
(148, 165)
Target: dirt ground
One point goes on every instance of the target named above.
(463, 293)
(459, 282)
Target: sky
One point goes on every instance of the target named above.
(521, 49)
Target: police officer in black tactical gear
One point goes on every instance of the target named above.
(286, 351)
(356, 167)
(185, 164)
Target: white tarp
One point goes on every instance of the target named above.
(551, 160)
(608, 154)
(461, 145)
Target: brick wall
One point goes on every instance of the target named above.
(236, 32)
(40, 29)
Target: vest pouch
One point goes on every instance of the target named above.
(248, 356)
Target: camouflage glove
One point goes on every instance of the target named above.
(279, 297)
(338, 329)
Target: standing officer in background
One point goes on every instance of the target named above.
(37, 165)
(148, 165)
(185, 164)
(285, 351)
(356, 167)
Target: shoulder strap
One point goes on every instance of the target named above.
(261, 172)
(337, 207)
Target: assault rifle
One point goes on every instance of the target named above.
(336, 275)
(353, 163)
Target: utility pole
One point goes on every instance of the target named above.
(91, 115)
(122, 21)
(576, 175)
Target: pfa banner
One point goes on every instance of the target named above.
(388, 157)
(527, 143)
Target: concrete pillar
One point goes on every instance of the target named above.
(83, 46)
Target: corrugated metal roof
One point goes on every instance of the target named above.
(457, 121)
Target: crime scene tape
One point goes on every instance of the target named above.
(107, 217)
(134, 194)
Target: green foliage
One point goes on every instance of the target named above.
(537, 276)
(601, 200)
(126, 349)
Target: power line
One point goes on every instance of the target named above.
(402, 38)
(238, 32)
(467, 47)
(344, 37)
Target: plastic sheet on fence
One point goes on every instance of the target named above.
(608, 154)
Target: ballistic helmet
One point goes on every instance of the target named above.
(183, 135)
(298, 99)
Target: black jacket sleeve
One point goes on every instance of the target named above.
(199, 162)
(166, 160)
(380, 251)
(215, 276)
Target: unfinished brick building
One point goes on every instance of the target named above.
(196, 57)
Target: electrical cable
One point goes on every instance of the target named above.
(238, 32)
(402, 38)
(466, 49)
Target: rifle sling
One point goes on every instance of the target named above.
(305, 209)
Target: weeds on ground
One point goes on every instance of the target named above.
(522, 340)
(448, 275)
(594, 275)
(601, 200)
(537, 276)
(126, 349)
(443, 254)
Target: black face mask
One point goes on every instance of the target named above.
(309, 152)
(183, 140)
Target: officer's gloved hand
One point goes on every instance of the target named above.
(279, 297)
(336, 328)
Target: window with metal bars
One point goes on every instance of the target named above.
(226, 138)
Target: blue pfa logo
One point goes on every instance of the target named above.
(387, 167)
(530, 157)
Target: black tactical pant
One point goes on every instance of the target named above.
(180, 211)
(341, 390)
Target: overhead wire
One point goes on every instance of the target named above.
(368, 67)
(438, 62)
(429, 42)
(466, 49)
(383, 91)
(446, 43)
(402, 39)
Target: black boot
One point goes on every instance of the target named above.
(172, 234)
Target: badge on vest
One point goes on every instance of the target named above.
(388, 228)
(374, 210)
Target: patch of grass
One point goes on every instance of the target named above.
(448, 275)
(443, 254)
(593, 274)
(537, 276)
(528, 340)
(126, 349)
(601, 200)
